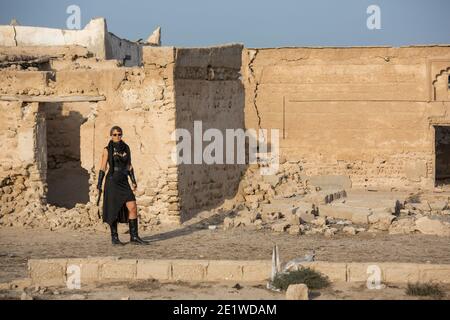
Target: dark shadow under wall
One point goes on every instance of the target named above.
(67, 181)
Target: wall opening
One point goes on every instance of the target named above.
(67, 181)
(442, 153)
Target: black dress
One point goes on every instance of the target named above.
(117, 190)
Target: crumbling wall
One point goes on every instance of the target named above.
(95, 37)
(129, 53)
(23, 159)
(208, 89)
(365, 113)
(91, 37)
(139, 99)
(358, 112)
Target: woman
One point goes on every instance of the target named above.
(119, 203)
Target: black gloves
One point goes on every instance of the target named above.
(132, 177)
(101, 175)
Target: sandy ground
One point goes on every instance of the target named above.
(17, 245)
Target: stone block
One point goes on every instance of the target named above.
(333, 270)
(256, 270)
(400, 272)
(435, 273)
(189, 270)
(433, 226)
(154, 269)
(297, 292)
(223, 270)
(119, 270)
(48, 272)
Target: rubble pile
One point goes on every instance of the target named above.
(287, 203)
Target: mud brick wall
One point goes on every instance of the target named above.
(141, 101)
(138, 99)
(208, 89)
(367, 113)
(22, 160)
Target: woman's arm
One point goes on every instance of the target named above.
(132, 177)
(101, 173)
(104, 160)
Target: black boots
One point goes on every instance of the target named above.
(134, 237)
(115, 235)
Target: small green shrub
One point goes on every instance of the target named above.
(424, 290)
(313, 279)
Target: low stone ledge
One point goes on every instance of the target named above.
(228, 270)
(189, 270)
(119, 270)
(335, 271)
(48, 272)
(55, 272)
(154, 269)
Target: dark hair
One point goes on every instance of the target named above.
(115, 128)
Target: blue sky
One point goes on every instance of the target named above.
(254, 23)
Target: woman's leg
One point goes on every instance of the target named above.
(133, 222)
(132, 210)
(114, 234)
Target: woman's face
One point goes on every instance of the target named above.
(116, 136)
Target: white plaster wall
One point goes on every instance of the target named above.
(92, 36)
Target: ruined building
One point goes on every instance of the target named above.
(365, 117)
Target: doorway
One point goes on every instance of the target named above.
(442, 154)
(67, 180)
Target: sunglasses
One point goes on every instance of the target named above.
(117, 134)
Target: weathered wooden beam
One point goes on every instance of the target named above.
(27, 98)
(26, 63)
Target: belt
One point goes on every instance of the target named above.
(124, 170)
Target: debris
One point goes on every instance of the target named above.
(25, 296)
(349, 230)
(433, 226)
(297, 292)
(237, 286)
(403, 226)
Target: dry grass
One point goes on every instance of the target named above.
(425, 290)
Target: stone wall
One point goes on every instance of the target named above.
(123, 50)
(208, 89)
(55, 272)
(23, 161)
(78, 99)
(95, 37)
(366, 113)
